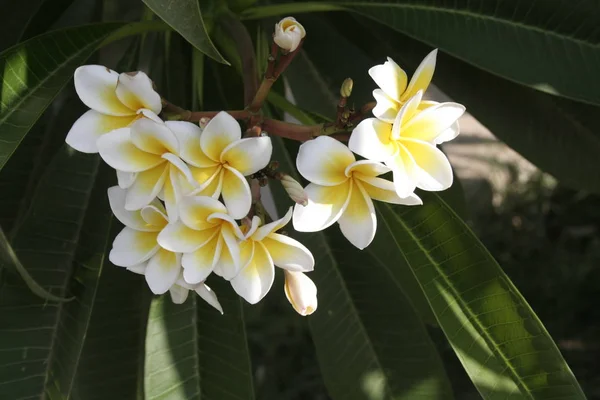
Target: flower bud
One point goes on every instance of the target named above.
(301, 292)
(293, 189)
(288, 34)
(203, 122)
(346, 89)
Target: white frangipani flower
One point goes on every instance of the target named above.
(301, 292)
(136, 245)
(115, 101)
(220, 159)
(150, 150)
(407, 146)
(208, 237)
(288, 34)
(341, 190)
(261, 249)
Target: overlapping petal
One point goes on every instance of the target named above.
(133, 247)
(432, 122)
(118, 151)
(95, 85)
(85, 132)
(195, 210)
(136, 92)
(390, 78)
(256, 278)
(422, 76)
(131, 219)
(358, 222)
(405, 172)
(325, 205)
(288, 253)
(188, 136)
(198, 265)
(236, 193)
(220, 132)
(386, 108)
(383, 190)
(153, 137)
(177, 237)
(324, 160)
(434, 170)
(372, 139)
(248, 155)
(163, 271)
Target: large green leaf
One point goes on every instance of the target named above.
(185, 17)
(560, 136)
(498, 338)
(34, 72)
(549, 45)
(194, 352)
(370, 342)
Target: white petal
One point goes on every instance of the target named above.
(432, 122)
(229, 262)
(136, 92)
(390, 78)
(301, 292)
(125, 179)
(179, 294)
(384, 190)
(323, 161)
(154, 216)
(248, 155)
(179, 238)
(139, 269)
(448, 134)
(198, 265)
(255, 280)
(422, 76)
(90, 126)
(162, 271)
(386, 108)
(367, 168)
(188, 136)
(118, 151)
(288, 253)
(271, 227)
(95, 85)
(358, 223)
(406, 114)
(220, 132)
(146, 186)
(132, 247)
(209, 296)
(153, 137)
(325, 205)
(372, 139)
(131, 219)
(195, 210)
(405, 172)
(236, 193)
(435, 171)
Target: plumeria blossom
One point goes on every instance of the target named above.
(395, 90)
(301, 292)
(288, 34)
(149, 150)
(341, 190)
(115, 101)
(207, 235)
(136, 246)
(408, 145)
(263, 248)
(220, 159)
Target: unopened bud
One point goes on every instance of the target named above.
(203, 122)
(293, 189)
(288, 34)
(301, 292)
(346, 89)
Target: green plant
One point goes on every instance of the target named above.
(73, 325)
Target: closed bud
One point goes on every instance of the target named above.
(293, 189)
(346, 89)
(288, 34)
(203, 122)
(301, 292)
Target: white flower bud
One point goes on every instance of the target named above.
(301, 292)
(294, 189)
(288, 34)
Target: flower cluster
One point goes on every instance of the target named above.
(181, 191)
(401, 139)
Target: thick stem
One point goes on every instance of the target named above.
(363, 112)
(245, 49)
(176, 113)
(302, 133)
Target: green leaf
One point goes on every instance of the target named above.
(35, 71)
(370, 342)
(185, 17)
(498, 338)
(550, 46)
(194, 352)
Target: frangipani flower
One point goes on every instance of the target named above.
(261, 249)
(136, 246)
(150, 150)
(301, 292)
(115, 101)
(220, 159)
(341, 191)
(288, 34)
(208, 237)
(407, 146)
